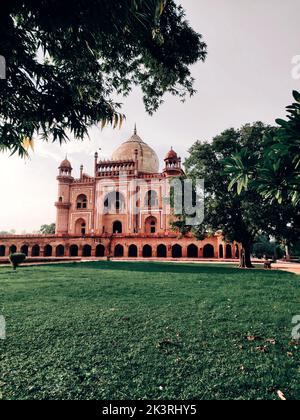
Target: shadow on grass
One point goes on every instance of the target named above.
(167, 267)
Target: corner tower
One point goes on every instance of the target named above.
(63, 204)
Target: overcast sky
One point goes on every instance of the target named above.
(247, 77)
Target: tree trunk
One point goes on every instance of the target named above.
(287, 253)
(245, 259)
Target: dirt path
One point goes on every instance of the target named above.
(290, 267)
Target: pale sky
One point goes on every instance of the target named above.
(247, 77)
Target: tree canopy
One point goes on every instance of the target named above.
(68, 61)
(275, 173)
(48, 229)
(240, 215)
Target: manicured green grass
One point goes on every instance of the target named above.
(148, 331)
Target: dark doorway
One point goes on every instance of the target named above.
(228, 251)
(119, 251)
(147, 251)
(87, 251)
(221, 251)
(73, 251)
(35, 251)
(176, 251)
(162, 251)
(132, 251)
(2, 251)
(60, 251)
(208, 251)
(48, 251)
(117, 227)
(100, 251)
(192, 251)
(24, 250)
(13, 249)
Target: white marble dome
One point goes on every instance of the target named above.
(147, 157)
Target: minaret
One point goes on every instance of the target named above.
(96, 164)
(173, 164)
(63, 204)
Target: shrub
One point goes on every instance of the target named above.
(16, 260)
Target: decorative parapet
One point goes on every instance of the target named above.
(115, 168)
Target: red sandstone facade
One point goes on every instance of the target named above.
(122, 211)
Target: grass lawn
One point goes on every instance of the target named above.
(148, 331)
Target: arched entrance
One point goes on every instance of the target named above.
(151, 225)
(12, 249)
(80, 227)
(162, 251)
(221, 251)
(60, 251)
(208, 251)
(2, 251)
(35, 252)
(100, 251)
(147, 251)
(228, 251)
(176, 251)
(119, 251)
(87, 251)
(192, 251)
(48, 251)
(24, 250)
(117, 227)
(73, 251)
(132, 251)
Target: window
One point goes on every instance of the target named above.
(151, 225)
(151, 199)
(81, 202)
(114, 203)
(117, 227)
(80, 227)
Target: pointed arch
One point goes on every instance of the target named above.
(80, 227)
(12, 249)
(35, 252)
(48, 251)
(81, 202)
(151, 225)
(177, 251)
(192, 251)
(162, 251)
(151, 199)
(147, 251)
(87, 251)
(74, 251)
(60, 251)
(100, 250)
(221, 251)
(117, 227)
(119, 251)
(25, 250)
(228, 251)
(133, 251)
(208, 251)
(2, 250)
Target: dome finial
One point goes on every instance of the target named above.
(135, 130)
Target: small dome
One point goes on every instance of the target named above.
(171, 155)
(147, 157)
(65, 164)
